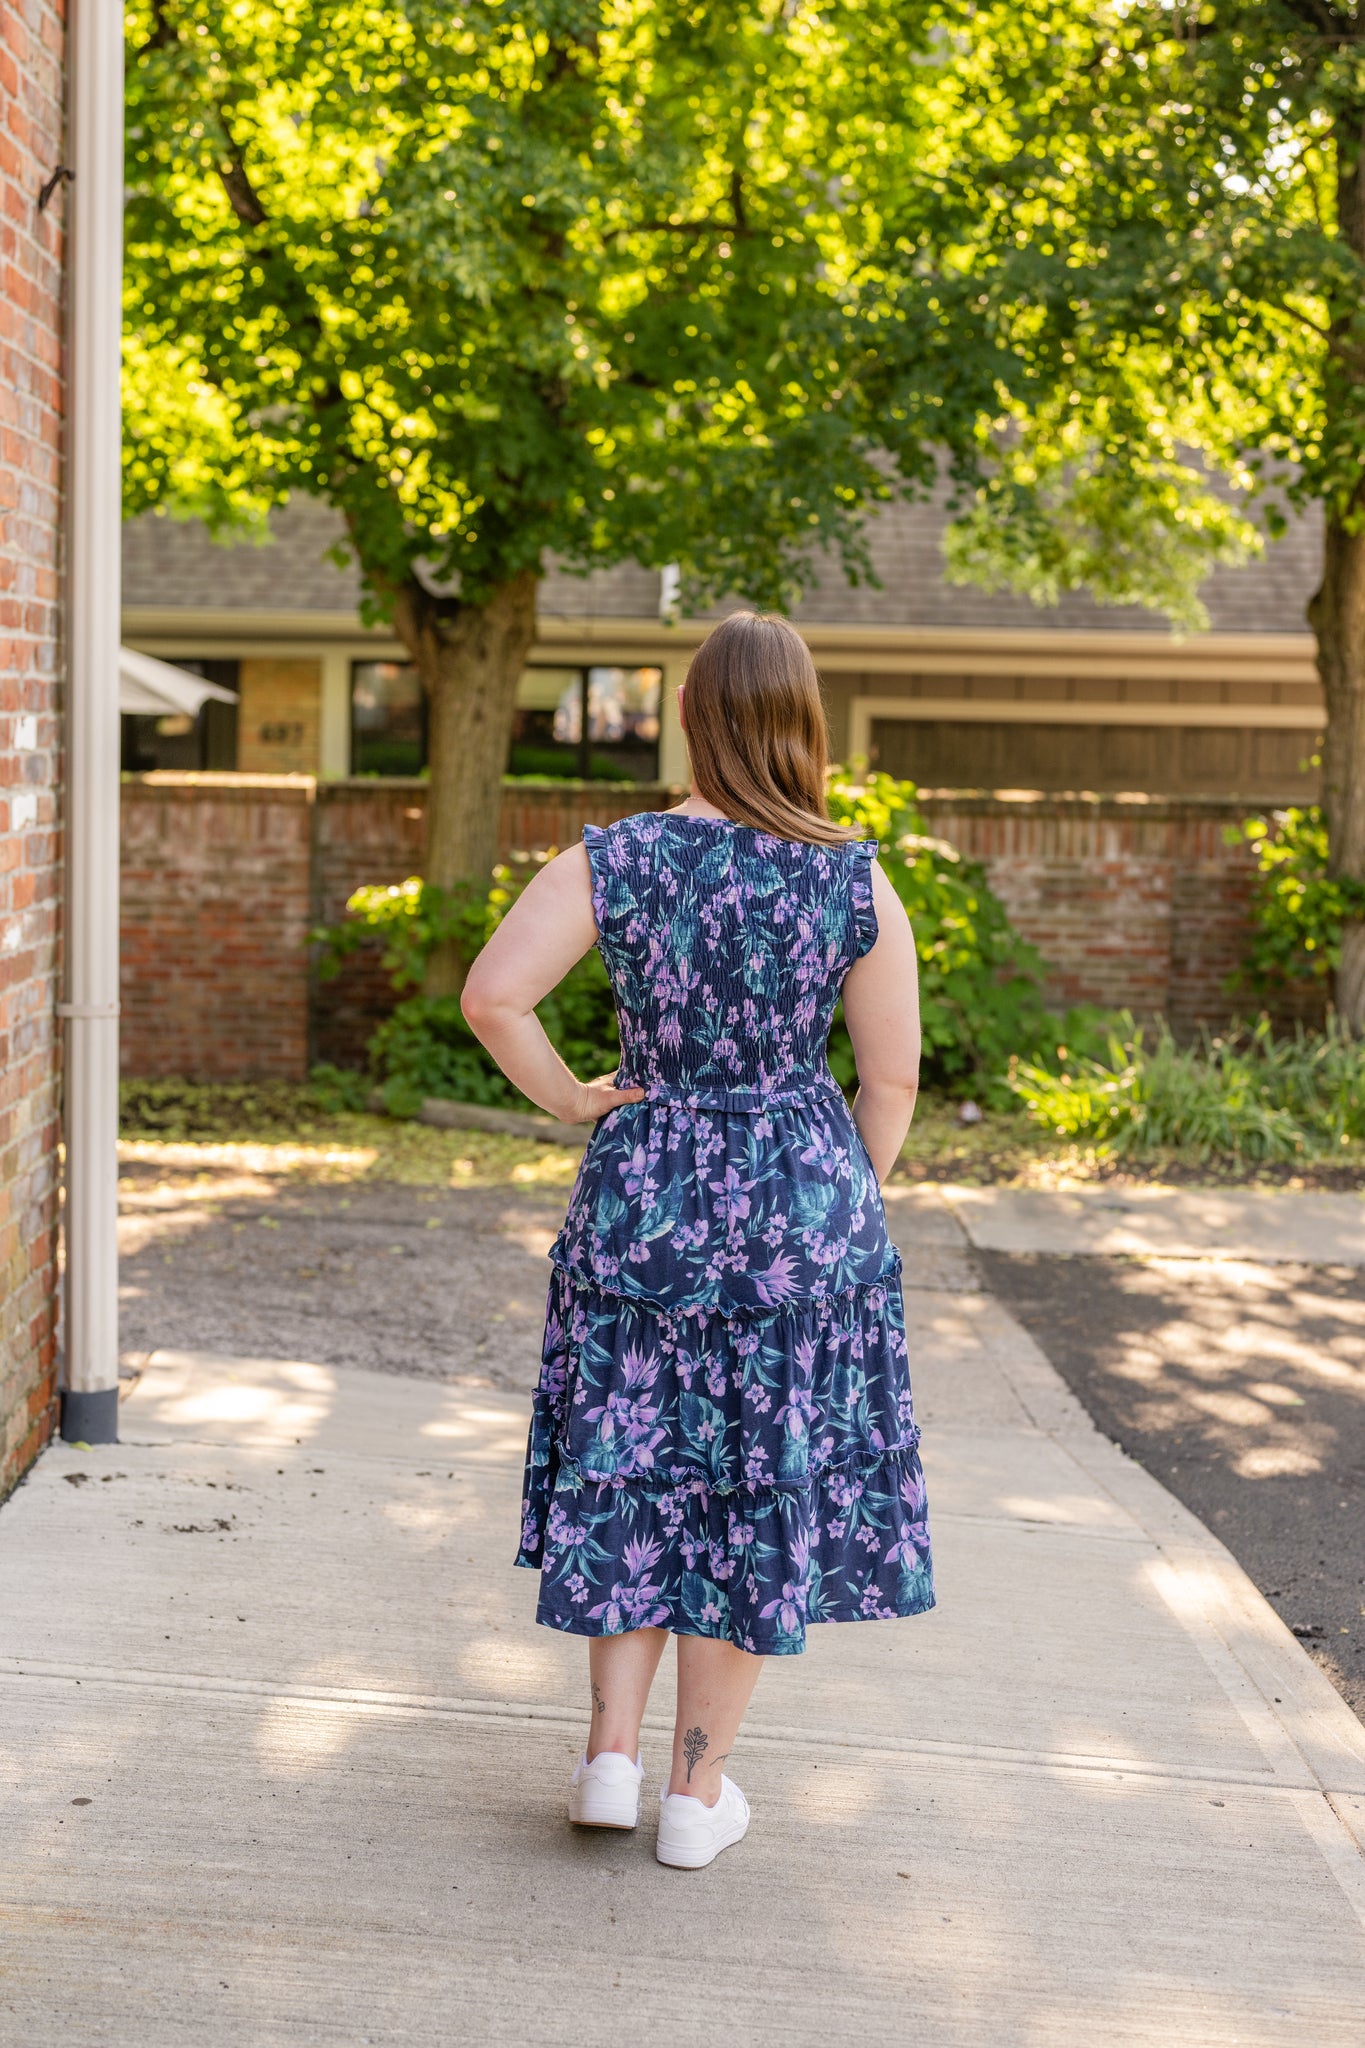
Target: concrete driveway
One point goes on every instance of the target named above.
(286, 1757)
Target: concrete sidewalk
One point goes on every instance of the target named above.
(1191, 1223)
(272, 1644)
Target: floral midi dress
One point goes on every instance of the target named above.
(722, 1441)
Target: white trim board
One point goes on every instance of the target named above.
(1041, 711)
(933, 649)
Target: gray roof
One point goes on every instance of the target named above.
(171, 564)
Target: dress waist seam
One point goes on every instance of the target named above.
(737, 1101)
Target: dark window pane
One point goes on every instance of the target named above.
(388, 719)
(173, 741)
(622, 740)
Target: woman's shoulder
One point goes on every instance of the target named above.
(637, 828)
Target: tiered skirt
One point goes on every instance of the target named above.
(723, 1440)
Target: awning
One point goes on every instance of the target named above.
(149, 688)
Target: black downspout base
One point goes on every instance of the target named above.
(90, 1418)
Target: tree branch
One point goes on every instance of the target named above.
(163, 34)
(241, 193)
(737, 201)
(1326, 19)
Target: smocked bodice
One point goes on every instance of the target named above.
(727, 948)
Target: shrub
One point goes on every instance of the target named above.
(1242, 1092)
(980, 984)
(1298, 907)
(981, 997)
(425, 1047)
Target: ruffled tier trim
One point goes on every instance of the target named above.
(630, 1395)
(754, 1567)
(735, 1476)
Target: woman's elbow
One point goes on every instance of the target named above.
(478, 1002)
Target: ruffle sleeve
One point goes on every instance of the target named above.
(862, 854)
(595, 838)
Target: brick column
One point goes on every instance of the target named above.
(31, 255)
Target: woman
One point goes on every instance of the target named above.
(722, 1445)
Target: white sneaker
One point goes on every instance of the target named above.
(606, 1792)
(692, 1835)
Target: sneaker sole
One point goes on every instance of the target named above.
(693, 1856)
(607, 1814)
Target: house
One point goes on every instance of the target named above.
(950, 685)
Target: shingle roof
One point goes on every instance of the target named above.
(170, 564)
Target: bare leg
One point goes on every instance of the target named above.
(621, 1670)
(715, 1681)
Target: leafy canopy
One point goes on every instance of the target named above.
(604, 277)
(1146, 199)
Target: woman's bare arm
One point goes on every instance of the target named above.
(549, 928)
(881, 1009)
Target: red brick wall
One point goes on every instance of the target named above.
(216, 892)
(1133, 903)
(30, 760)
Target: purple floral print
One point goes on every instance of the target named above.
(723, 1439)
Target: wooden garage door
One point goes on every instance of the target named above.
(1166, 760)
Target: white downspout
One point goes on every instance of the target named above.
(93, 510)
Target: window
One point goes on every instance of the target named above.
(178, 741)
(598, 723)
(388, 719)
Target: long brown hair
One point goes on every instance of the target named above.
(755, 728)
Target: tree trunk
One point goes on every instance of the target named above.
(470, 658)
(1337, 616)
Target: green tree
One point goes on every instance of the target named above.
(601, 279)
(1161, 212)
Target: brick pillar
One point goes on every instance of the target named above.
(31, 59)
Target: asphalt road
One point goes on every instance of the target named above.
(1241, 1388)
(443, 1283)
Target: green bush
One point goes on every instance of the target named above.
(981, 996)
(980, 983)
(1298, 907)
(1244, 1093)
(425, 1047)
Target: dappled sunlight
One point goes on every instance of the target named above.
(430, 1522)
(276, 1400)
(325, 1161)
(494, 1435)
(1278, 1397)
(834, 1796)
(517, 1667)
(1263, 1371)
(294, 1735)
(1228, 1406)
(364, 1148)
(1276, 1461)
(1255, 1337)
(1304, 1301)
(535, 1235)
(1192, 1593)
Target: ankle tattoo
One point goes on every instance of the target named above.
(597, 1698)
(695, 1744)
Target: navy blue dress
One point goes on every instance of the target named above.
(722, 1441)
